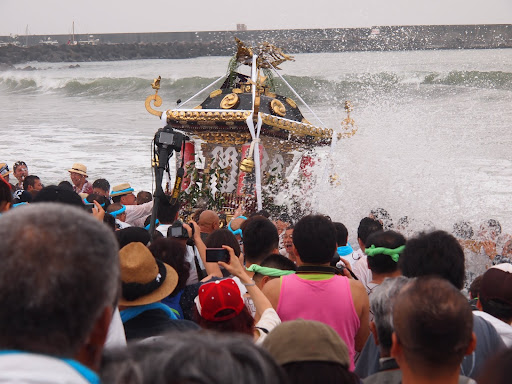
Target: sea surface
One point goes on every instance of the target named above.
(434, 141)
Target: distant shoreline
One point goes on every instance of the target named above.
(183, 45)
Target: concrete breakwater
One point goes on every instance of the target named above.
(173, 45)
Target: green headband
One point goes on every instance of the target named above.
(394, 253)
(267, 271)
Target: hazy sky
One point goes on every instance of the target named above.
(111, 16)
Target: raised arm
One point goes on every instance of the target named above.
(236, 269)
(211, 268)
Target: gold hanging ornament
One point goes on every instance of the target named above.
(157, 100)
(247, 164)
(348, 126)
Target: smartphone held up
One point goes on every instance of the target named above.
(214, 255)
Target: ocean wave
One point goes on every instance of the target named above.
(476, 79)
(308, 87)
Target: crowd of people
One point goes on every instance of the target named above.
(93, 293)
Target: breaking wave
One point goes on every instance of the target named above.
(308, 87)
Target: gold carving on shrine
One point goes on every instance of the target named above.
(215, 93)
(157, 100)
(277, 107)
(291, 103)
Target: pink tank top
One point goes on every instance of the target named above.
(328, 301)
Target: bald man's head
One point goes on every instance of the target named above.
(433, 325)
(208, 221)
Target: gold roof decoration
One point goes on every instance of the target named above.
(268, 55)
(223, 115)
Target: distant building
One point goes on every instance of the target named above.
(241, 27)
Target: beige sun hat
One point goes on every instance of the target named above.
(79, 168)
(145, 279)
(121, 189)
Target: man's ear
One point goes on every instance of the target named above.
(396, 348)
(90, 353)
(479, 305)
(472, 343)
(373, 330)
(5, 206)
(265, 280)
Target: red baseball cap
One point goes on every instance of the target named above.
(218, 296)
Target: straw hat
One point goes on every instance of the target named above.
(4, 169)
(145, 279)
(121, 189)
(79, 168)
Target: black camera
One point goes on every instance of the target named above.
(168, 137)
(177, 230)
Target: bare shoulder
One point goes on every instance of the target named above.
(272, 289)
(272, 286)
(356, 286)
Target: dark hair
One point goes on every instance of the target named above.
(262, 212)
(102, 184)
(102, 200)
(55, 194)
(166, 212)
(60, 270)
(434, 323)
(276, 261)
(172, 252)
(144, 197)
(312, 372)
(388, 239)
(474, 288)
(191, 357)
(66, 185)
(17, 164)
(221, 237)
(110, 222)
(285, 218)
(29, 181)
(366, 227)
(5, 191)
(434, 253)
(260, 238)
(497, 308)
(314, 238)
(116, 199)
(241, 323)
(382, 216)
(129, 235)
(197, 213)
(497, 369)
(341, 234)
(114, 207)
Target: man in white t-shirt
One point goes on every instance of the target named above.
(367, 226)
